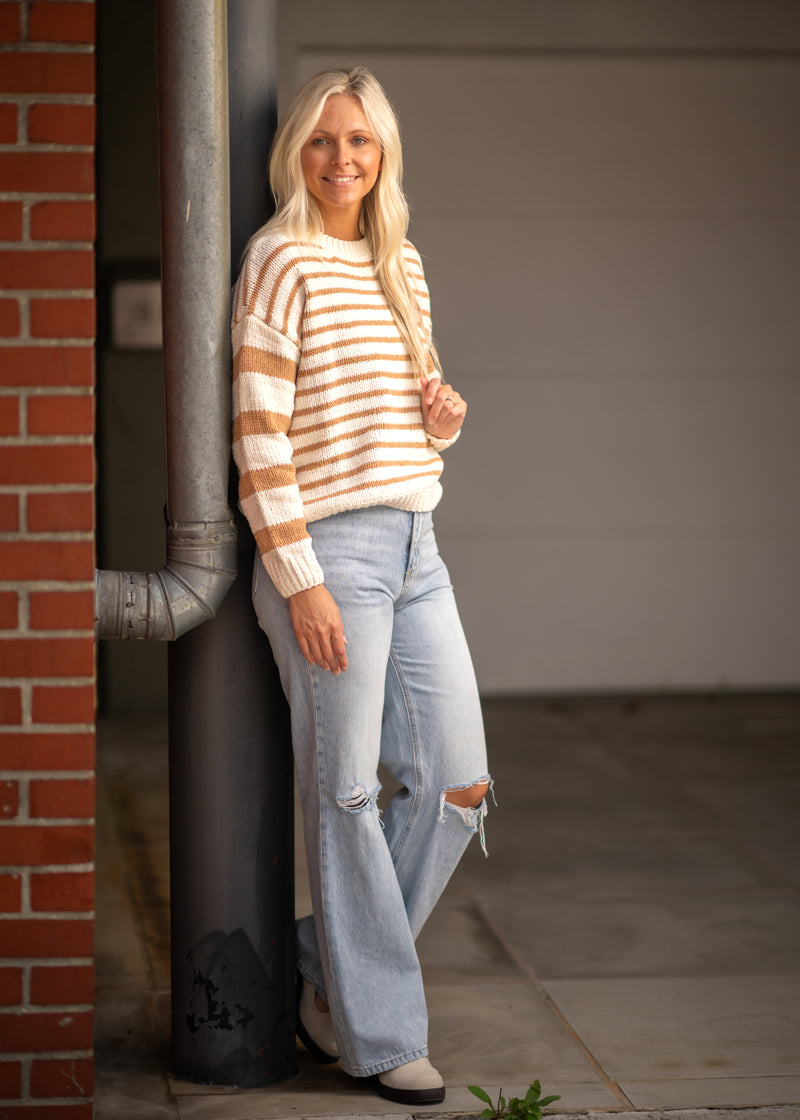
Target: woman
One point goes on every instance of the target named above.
(339, 417)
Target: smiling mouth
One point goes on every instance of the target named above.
(341, 180)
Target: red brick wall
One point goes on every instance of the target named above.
(47, 316)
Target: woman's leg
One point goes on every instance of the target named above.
(369, 970)
(433, 740)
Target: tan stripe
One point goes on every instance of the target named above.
(434, 473)
(339, 308)
(335, 274)
(351, 264)
(260, 424)
(278, 536)
(273, 256)
(330, 479)
(357, 339)
(351, 324)
(356, 360)
(289, 302)
(252, 359)
(310, 448)
(363, 290)
(273, 296)
(315, 409)
(355, 379)
(330, 421)
(266, 478)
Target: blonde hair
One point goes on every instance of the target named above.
(384, 211)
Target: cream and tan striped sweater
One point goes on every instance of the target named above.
(326, 404)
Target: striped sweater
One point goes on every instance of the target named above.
(326, 405)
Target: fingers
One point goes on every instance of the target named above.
(318, 628)
(443, 408)
(429, 387)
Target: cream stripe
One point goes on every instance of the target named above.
(370, 484)
(331, 407)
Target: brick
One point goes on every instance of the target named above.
(48, 365)
(9, 412)
(62, 798)
(30, 463)
(45, 72)
(10, 1080)
(8, 124)
(63, 221)
(61, 124)
(9, 523)
(46, 938)
(63, 1077)
(58, 512)
(66, 560)
(30, 1111)
(9, 604)
(39, 1031)
(10, 987)
(61, 985)
(10, 23)
(62, 705)
(62, 416)
(72, 891)
(49, 657)
(47, 171)
(63, 318)
(46, 268)
(48, 751)
(61, 22)
(10, 706)
(9, 318)
(10, 217)
(9, 799)
(62, 610)
(10, 894)
(32, 845)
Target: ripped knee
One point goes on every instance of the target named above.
(469, 803)
(469, 798)
(360, 799)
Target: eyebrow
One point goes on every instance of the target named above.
(352, 132)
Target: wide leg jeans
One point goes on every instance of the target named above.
(409, 700)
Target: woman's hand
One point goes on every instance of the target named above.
(318, 628)
(443, 409)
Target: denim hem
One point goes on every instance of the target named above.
(314, 977)
(390, 1063)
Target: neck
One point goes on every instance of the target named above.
(344, 227)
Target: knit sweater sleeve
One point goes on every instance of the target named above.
(267, 308)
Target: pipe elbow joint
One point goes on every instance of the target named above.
(163, 605)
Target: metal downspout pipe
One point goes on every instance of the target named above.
(231, 804)
(195, 238)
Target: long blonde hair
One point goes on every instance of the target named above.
(384, 211)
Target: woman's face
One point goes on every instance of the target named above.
(341, 160)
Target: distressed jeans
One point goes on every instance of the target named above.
(408, 700)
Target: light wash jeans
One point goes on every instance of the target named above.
(408, 699)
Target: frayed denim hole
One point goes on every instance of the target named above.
(360, 799)
(471, 817)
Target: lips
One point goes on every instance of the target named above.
(340, 179)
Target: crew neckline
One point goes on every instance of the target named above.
(351, 250)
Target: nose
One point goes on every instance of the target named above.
(340, 154)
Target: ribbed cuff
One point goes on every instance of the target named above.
(294, 569)
(441, 444)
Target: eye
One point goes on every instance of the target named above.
(360, 140)
(318, 141)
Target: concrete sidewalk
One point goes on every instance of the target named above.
(633, 940)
